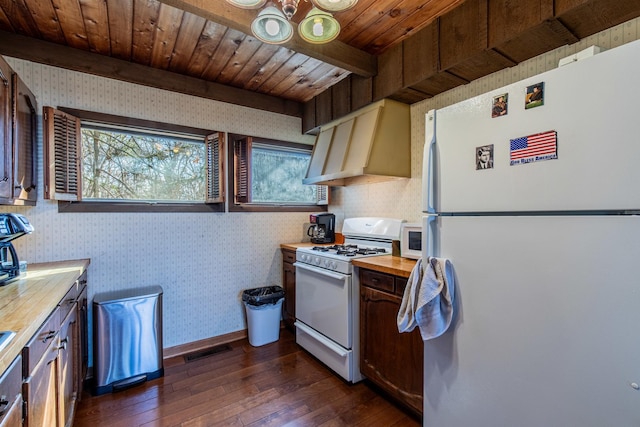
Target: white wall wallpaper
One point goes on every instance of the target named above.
(203, 261)
(402, 199)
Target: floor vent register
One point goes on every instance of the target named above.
(207, 352)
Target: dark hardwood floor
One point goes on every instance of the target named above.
(278, 384)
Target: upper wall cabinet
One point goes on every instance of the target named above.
(18, 140)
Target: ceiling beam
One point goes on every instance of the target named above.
(56, 55)
(335, 53)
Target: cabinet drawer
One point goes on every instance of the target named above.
(66, 304)
(34, 350)
(288, 256)
(375, 280)
(401, 284)
(81, 283)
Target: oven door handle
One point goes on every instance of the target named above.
(322, 339)
(319, 271)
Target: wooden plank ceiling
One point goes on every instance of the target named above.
(407, 50)
(210, 39)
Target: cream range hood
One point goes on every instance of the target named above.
(369, 145)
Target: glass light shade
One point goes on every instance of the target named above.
(289, 7)
(334, 5)
(247, 4)
(271, 26)
(318, 27)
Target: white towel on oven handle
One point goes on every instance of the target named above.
(428, 300)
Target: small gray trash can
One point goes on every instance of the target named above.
(264, 310)
(127, 338)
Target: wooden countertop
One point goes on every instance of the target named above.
(390, 264)
(395, 265)
(294, 246)
(27, 302)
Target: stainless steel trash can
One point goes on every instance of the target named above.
(127, 338)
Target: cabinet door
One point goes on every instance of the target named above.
(289, 272)
(5, 131)
(10, 395)
(392, 360)
(24, 142)
(83, 335)
(13, 417)
(40, 389)
(289, 285)
(68, 363)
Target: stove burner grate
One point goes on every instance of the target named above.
(349, 250)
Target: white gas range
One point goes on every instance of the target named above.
(327, 292)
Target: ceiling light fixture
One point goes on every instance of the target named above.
(334, 5)
(318, 27)
(272, 25)
(248, 4)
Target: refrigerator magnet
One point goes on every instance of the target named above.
(534, 148)
(534, 96)
(499, 107)
(484, 157)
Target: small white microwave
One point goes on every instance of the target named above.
(411, 241)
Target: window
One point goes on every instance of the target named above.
(111, 160)
(267, 176)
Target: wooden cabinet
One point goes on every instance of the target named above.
(289, 285)
(391, 360)
(54, 364)
(41, 370)
(82, 343)
(18, 123)
(11, 395)
(5, 130)
(68, 362)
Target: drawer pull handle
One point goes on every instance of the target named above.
(4, 405)
(63, 344)
(49, 335)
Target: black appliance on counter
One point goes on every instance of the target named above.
(322, 228)
(12, 226)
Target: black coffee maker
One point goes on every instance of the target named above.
(12, 226)
(322, 228)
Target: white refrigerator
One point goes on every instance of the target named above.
(545, 244)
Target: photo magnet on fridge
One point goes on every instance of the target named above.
(534, 96)
(484, 157)
(499, 106)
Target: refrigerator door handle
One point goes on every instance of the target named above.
(429, 246)
(428, 163)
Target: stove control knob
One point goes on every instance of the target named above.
(317, 261)
(334, 265)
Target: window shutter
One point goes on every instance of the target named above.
(215, 167)
(62, 156)
(242, 154)
(323, 194)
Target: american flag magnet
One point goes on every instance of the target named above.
(534, 148)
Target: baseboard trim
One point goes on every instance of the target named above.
(190, 347)
(182, 349)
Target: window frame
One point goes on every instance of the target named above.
(235, 206)
(214, 200)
